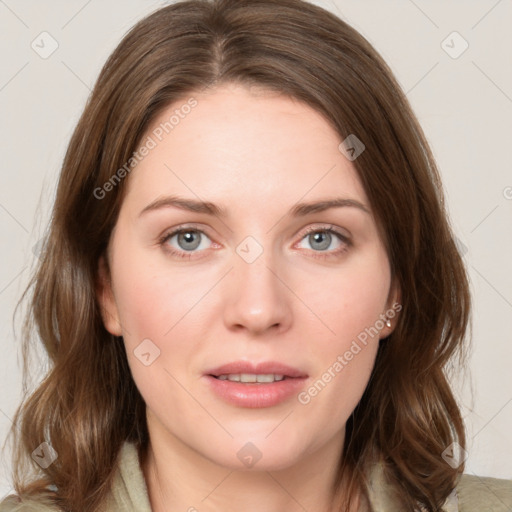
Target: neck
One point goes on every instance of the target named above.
(179, 478)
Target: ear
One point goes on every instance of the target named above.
(105, 298)
(393, 308)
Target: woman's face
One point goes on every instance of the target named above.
(267, 280)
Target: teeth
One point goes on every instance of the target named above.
(269, 378)
(251, 377)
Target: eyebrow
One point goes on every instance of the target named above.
(299, 210)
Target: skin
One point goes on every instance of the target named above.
(255, 154)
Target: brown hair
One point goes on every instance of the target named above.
(88, 404)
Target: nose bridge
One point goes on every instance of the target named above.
(258, 300)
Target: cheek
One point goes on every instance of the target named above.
(153, 312)
(152, 300)
(351, 299)
(349, 305)
(163, 317)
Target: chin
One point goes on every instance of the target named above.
(258, 453)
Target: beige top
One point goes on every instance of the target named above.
(129, 493)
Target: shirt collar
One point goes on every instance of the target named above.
(383, 497)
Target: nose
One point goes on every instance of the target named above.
(257, 301)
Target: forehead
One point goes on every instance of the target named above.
(246, 147)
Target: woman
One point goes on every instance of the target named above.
(249, 289)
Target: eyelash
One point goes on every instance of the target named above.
(346, 243)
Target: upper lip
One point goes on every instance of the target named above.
(263, 368)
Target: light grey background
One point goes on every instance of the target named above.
(464, 105)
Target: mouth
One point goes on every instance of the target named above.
(255, 385)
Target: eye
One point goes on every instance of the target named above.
(185, 240)
(325, 239)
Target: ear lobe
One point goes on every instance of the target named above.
(393, 308)
(105, 298)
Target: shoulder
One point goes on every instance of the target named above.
(128, 492)
(483, 494)
(14, 504)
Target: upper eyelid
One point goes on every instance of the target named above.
(328, 228)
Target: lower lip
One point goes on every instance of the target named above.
(254, 395)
